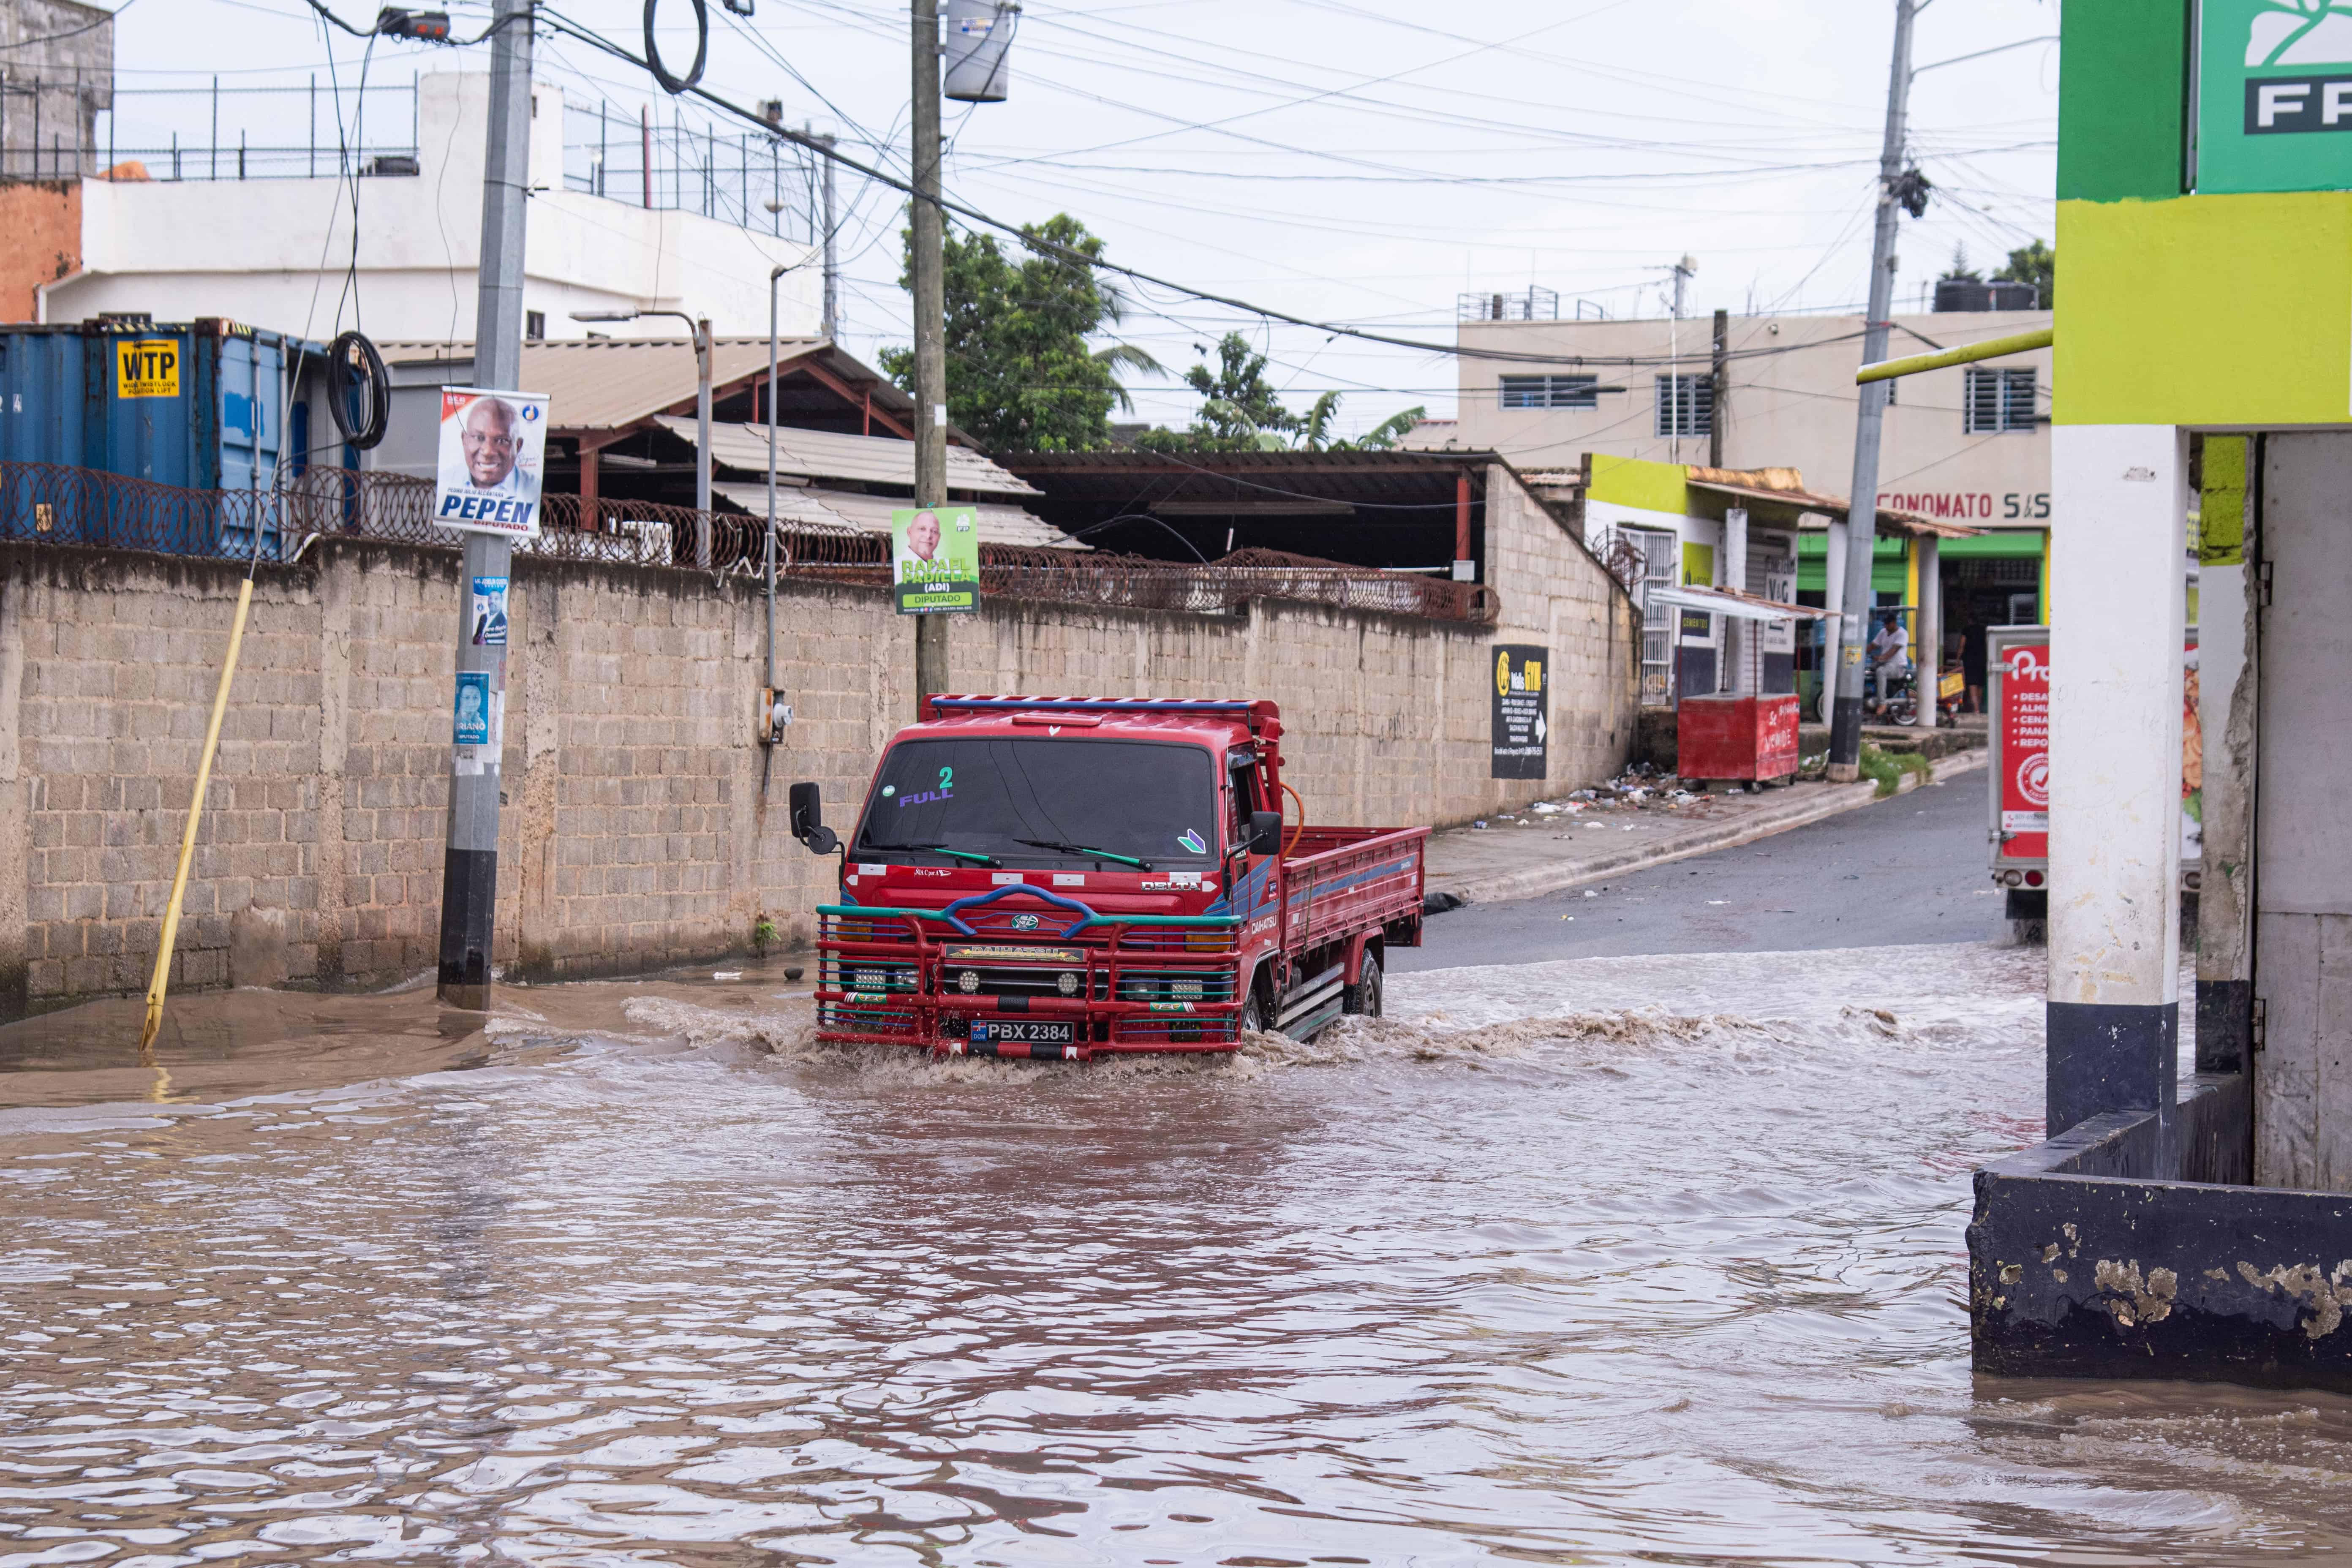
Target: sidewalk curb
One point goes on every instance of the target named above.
(1538, 880)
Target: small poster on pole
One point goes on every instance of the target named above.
(935, 559)
(492, 450)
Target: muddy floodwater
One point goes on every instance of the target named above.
(1609, 1260)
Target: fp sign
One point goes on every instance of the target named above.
(2274, 95)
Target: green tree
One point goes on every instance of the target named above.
(1241, 413)
(1022, 372)
(1961, 271)
(2036, 263)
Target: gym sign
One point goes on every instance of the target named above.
(2273, 96)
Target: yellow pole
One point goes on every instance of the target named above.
(1991, 347)
(171, 933)
(1911, 592)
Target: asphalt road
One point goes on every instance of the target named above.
(1909, 869)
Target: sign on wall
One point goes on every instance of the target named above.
(2273, 96)
(1521, 730)
(492, 447)
(935, 559)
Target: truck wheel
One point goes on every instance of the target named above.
(1364, 996)
(1252, 1014)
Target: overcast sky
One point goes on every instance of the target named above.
(1357, 161)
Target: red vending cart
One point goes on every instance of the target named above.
(1745, 730)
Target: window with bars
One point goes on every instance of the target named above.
(1998, 400)
(1552, 391)
(1685, 404)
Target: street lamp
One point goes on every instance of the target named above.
(701, 326)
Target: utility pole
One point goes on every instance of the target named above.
(469, 868)
(930, 329)
(1862, 502)
(831, 254)
(1719, 383)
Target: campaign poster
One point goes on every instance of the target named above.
(472, 725)
(486, 622)
(492, 456)
(1519, 739)
(935, 559)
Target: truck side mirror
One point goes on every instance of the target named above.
(1266, 832)
(808, 820)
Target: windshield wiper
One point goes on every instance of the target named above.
(971, 855)
(1085, 849)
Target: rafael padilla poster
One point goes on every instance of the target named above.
(935, 559)
(492, 453)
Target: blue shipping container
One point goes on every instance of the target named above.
(200, 404)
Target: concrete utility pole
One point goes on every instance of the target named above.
(930, 330)
(832, 326)
(1719, 383)
(1862, 517)
(469, 869)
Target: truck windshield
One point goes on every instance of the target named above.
(1147, 800)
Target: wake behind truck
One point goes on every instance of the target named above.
(1059, 878)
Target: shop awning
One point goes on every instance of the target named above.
(1738, 605)
(1784, 508)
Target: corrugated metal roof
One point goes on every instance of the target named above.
(1893, 520)
(604, 384)
(999, 523)
(834, 455)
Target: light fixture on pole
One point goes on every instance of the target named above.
(701, 326)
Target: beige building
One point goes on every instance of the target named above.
(1967, 444)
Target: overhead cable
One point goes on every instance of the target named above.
(564, 25)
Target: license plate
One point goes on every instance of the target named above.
(1024, 1032)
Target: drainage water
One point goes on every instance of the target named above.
(1611, 1260)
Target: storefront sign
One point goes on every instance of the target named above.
(1520, 729)
(2273, 96)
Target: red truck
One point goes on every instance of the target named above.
(1061, 878)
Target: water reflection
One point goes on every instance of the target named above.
(1611, 1260)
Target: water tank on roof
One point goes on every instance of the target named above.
(977, 45)
(1967, 294)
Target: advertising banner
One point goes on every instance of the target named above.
(2273, 96)
(2025, 784)
(935, 559)
(1521, 730)
(2022, 712)
(492, 453)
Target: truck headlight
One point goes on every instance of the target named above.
(1067, 983)
(1185, 990)
(968, 981)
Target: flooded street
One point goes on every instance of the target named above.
(1610, 1260)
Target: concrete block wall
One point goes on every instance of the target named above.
(637, 830)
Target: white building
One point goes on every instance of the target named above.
(273, 251)
(1967, 444)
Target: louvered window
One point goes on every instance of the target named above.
(1685, 404)
(1998, 400)
(1552, 391)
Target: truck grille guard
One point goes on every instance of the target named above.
(1130, 985)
